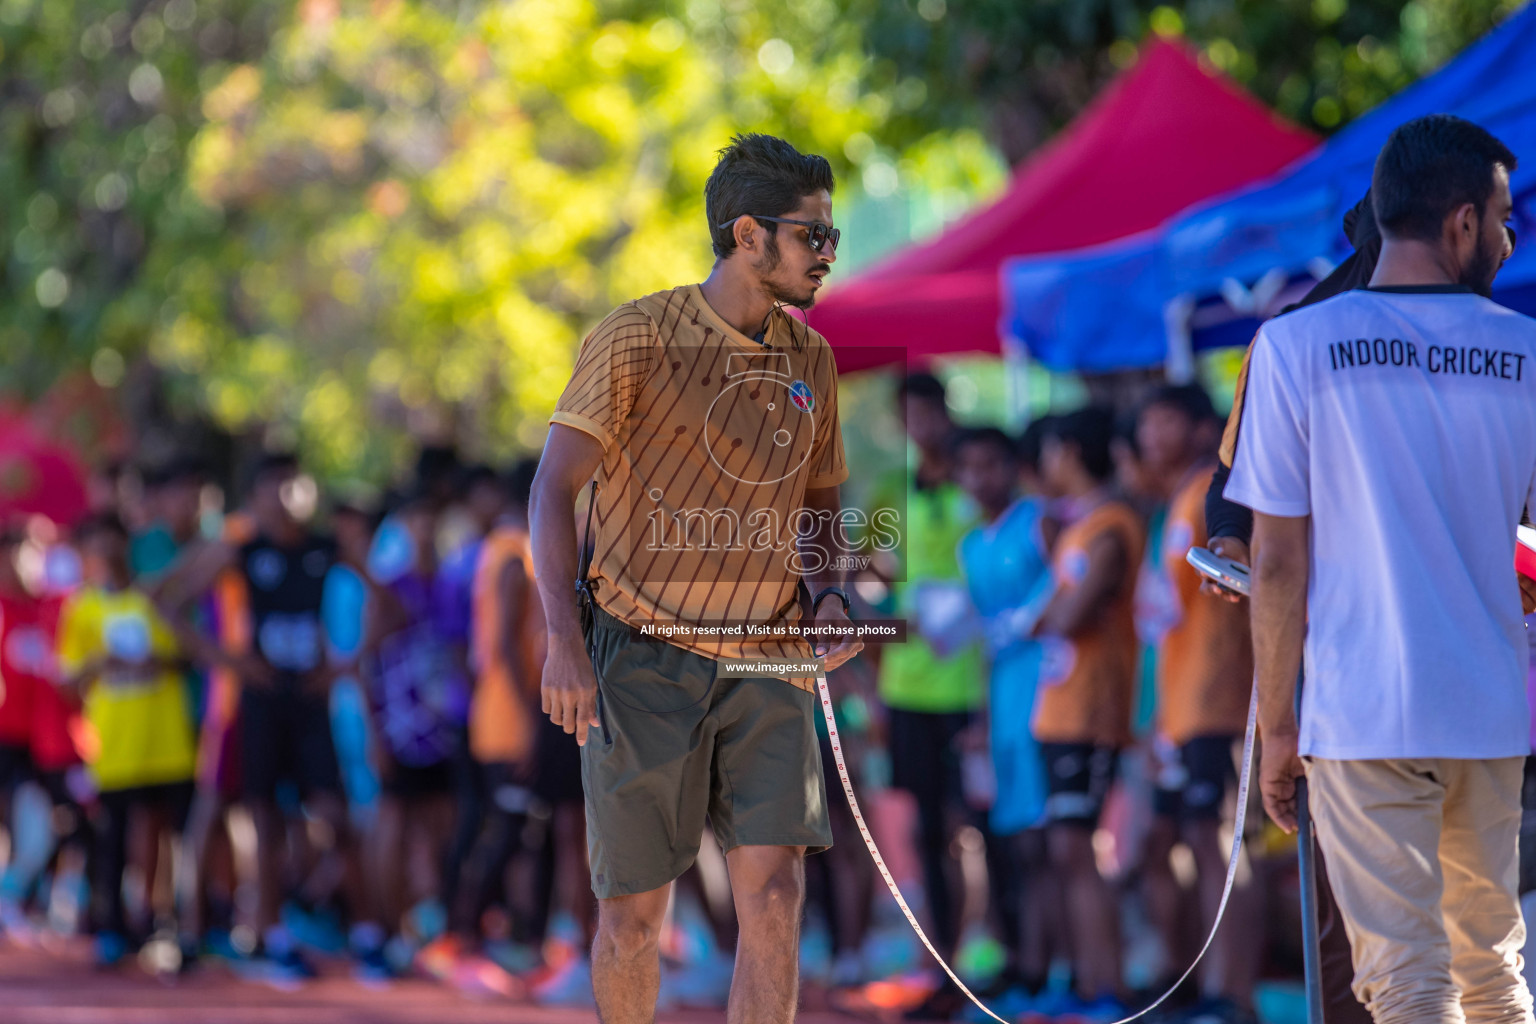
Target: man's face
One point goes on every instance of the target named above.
(1490, 245)
(1131, 470)
(1165, 437)
(101, 554)
(927, 422)
(181, 504)
(353, 535)
(985, 473)
(267, 501)
(1055, 466)
(789, 269)
(484, 501)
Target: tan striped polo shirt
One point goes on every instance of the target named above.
(710, 441)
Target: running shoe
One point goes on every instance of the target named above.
(479, 978)
(439, 958)
(111, 948)
(315, 930)
(372, 968)
(1218, 1011)
(705, 985)
(570, 987)
(513, 957)
(847, 970)
(1103, 1010)
(219, 944)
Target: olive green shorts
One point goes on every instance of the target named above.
(681, 747)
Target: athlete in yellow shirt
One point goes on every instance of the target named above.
(120, 656)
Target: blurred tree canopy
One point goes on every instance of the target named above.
(359, 219)
(1023, 70)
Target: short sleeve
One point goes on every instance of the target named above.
(1228, 449)
(1271, 471)
(613, 363)
(829, 465)
(79, 636)
(1184, 529)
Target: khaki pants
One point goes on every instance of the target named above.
(1423, 857)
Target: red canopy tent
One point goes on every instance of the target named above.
(1163, 135)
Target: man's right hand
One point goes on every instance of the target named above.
(569, 688)
(1235, 550)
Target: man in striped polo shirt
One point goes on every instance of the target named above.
(708, 417)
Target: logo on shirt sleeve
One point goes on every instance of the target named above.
(800, 394)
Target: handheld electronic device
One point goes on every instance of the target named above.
(1224, 572)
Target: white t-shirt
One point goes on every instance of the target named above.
(1404, 423)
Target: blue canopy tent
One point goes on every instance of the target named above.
(1205, 278)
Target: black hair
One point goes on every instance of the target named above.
(474, 476)
(1090, 430)
(1125, 430)
(1191, 400)
(100, 523)
(921, 385)
(274, 464)
(182, 469)
(763, 175)
(436, 462)
(519, 481)
(354, 507)
(1429, 167)
(997, 438)
(1030, 440)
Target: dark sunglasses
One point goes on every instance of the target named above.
(819, 235)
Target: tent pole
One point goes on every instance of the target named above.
(1016, 374)
(1179, 363)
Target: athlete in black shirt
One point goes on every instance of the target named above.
(284, 723)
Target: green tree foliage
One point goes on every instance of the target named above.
(425, 206)
(98, 102)
(361, 219)
(1024, 69)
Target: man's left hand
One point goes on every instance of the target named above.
(1279, 768)
(832, 651)
(1527, 592)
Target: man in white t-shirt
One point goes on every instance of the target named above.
(1389, 449)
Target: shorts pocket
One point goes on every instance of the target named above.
(650, 676)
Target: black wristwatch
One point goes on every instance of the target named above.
(827, 592)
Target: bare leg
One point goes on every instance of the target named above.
(384, 862)
(1164, 896)
(207, 812)
(571, 837)
(1040, 919)
(1091, 910)
(1230, 969)
(626, 963)
(768, 885)
(271, 843)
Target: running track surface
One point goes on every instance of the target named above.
(62, 987)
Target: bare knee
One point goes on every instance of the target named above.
(1204, 841)
(629, 927)
(1070, 847)
(776, 896)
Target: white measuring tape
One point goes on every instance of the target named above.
(901, 901)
